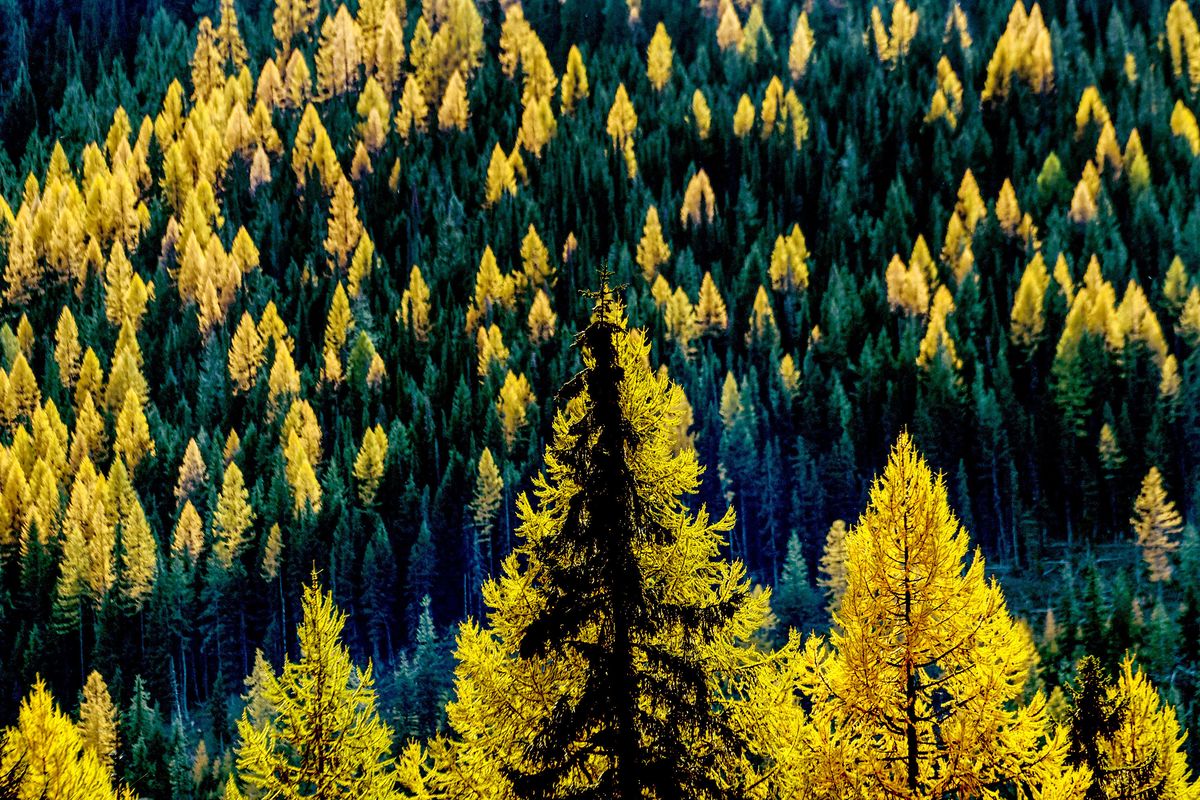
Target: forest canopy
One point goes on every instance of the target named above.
(713, 398)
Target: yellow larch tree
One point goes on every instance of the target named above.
(536, 270)
(413, 114)
(301, 477)
(699, 201)
(574, 86)
(1183, 125)
(652, 249)
(1008, 210)
(801, 48)
(894, 44)
(324, 737)
(485, 503)
(230, 44)
(193, 473)
(542, 320)
(679, 315)
(232, 518)
(1176, 284)
(132, 440)
(292, 19)
(414, 305)
(711, 314)
(48, 757)
(338, 326)
(370, 462)
(1024, 52)
(1157, 525)
(344, 227)
(88, 569)
(937, 342)
(247, 354)
(762, 328)
(530, 704)
(339, 57)
(489, 349)
(660, 57)
(729, 29)
(1183, 41)
(208, 68)
(302, 420)
(512, 407)
(67, 352)
(701, 114)
(832, 576)
(500, 178)
(139, 548)
(621, 125)
(1027, 319)
(743, 117)
(1145, 754)
(97, 724)
(187, 540)
(920, 690)
(454, 111)
(789, 262)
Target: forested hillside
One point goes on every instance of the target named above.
(308, 365)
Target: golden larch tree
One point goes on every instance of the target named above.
(924, 674)
(232, 518)
(801, 48)
(339, 57)
(454, 111)
(652, 249)
(97, 724)
(247, 354)
(324, 737)
(370, 463)
(660, 58)
(1157, 525)
(574, 85)
(48, 755)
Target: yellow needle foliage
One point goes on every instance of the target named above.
(1028, 320)
(652, 250)
(370, 462)
(325, 737)
(506, 694)
(659, 58)
(920, 690)
(49, 756)
(1156, 524)
(1024, 52)
(801, 48)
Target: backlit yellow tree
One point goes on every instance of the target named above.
(923, 679)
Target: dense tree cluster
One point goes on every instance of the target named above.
(292, 286)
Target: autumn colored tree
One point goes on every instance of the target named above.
(1156, 524)
(50, 757)
(581, 640)
(324, 737)
(914, 611)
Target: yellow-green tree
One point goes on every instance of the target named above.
(98, 720)
(324, 738)
(233, 517)
(923, 679)
(370, 462)
(604, 664)
(1157, 525)
(49, 757)
(660, 58)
